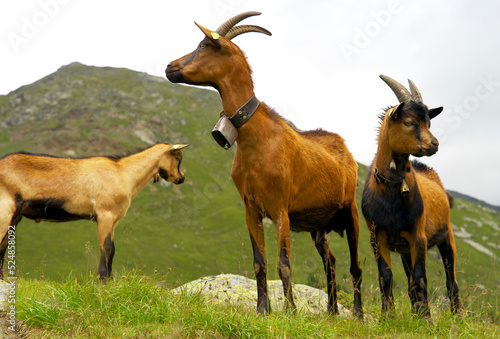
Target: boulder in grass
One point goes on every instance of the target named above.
(4, 295)
(238, 290)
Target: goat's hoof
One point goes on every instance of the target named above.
(104, 280)
(386, 315)
(290, 307)
(263, 309)
(428, 320)
(358, 314)
(333, 311)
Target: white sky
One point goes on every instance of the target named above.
(319, 69)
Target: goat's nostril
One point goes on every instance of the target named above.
(435, 142)
(169, 67)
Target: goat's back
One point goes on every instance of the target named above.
(335, 145)
(426, 171)
(32, 175)
(436, 200)
(430, 173)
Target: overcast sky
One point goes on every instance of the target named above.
(320, 68)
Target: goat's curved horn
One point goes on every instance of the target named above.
(235, 31)
(401, 92)
(415, 93)
(226, 26)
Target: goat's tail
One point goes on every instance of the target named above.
(450, 199)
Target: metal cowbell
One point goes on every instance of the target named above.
(224, 132)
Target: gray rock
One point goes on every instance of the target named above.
(242, 291)
(4, 295)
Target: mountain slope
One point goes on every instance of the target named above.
(475, 200)
(83, 111)
(198, 228)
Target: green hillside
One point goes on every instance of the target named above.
(198, 228)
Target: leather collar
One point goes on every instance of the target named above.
(244, 112)
(393, 183)
(383, 180)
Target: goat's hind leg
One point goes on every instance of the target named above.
(347, 218)
(352, 232)
(448, 254)
(321, 244)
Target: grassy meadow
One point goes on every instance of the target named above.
(174, 234)
(139, 306)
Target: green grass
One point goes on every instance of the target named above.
(198, 228)
(200, 232)
(137, 306)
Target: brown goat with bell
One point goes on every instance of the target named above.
(302, 181)
(404, 202)
(42, 187)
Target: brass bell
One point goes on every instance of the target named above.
(404, 188)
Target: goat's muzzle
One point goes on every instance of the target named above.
(173, 73)
(180, 181)
(428, 150)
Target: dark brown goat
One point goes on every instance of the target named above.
(301, 181)
(405, 204)
(100, 189)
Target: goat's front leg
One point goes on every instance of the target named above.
(383, 257)
(256, 231)
(106, 230)
(8, 220)
(407, 265)
(418, 287)
(6, 224)
(284, 268)
(3, 247)
(321, 244)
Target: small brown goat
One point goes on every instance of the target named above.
(302, 181)
(405, 204)
(42, 187)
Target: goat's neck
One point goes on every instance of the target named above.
(139, 168)
(235, 90)
(392, 165)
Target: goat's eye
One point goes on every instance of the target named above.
(202, 46)
(408, 123)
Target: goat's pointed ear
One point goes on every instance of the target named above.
(178, 147)
(395, 112)
(435, 112)
(213, 36)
